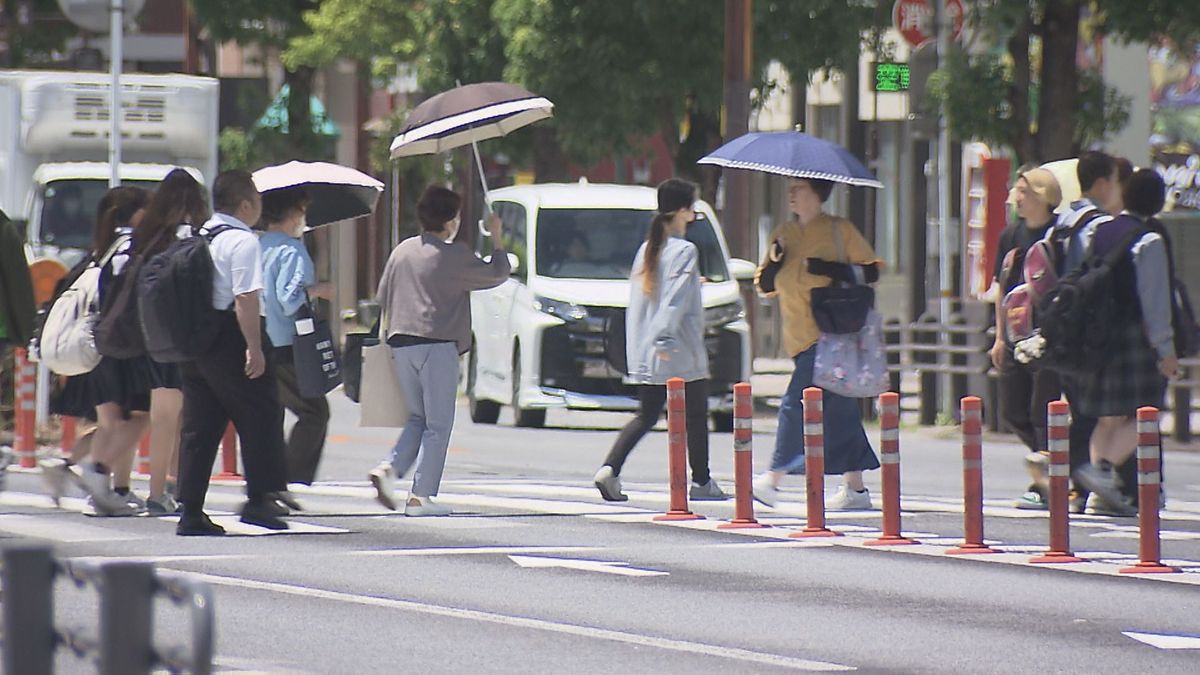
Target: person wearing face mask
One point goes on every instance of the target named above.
(425, 297)
(289, 281)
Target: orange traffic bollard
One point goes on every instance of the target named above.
(743, 460)
(229, 450)
(889, 457)
(1149, 470)
(814, 466)
(1058, 431)
(677, 450)
(143, 464)
(25, 409)
(972, 453)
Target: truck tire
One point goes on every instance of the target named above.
(722, 422)
(482, 411)
(524, 417)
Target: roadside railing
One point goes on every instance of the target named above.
(951, 355)
(123, 642)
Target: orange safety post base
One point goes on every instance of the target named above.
(25, 409)
(814, 466)
(889, 457)
(143, 455)
(1149, 471)
(1058, 432)
(743, 461)
(972, 454)
(229, 456)
(677, 453)
(69, 433)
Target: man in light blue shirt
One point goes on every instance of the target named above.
(288, 281)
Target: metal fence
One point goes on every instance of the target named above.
(123, 641)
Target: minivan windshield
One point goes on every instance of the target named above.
(68, 214)
(576, 243)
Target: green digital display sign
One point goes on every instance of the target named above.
(891, 77)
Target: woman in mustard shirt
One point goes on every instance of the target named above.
(804, 256)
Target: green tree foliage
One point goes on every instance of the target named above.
(1028, 93)
(33, 45)
(272, 24)
(817, 35)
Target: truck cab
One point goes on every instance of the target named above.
(54, 129)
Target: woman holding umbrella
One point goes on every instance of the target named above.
(289, 280)
(805, 254)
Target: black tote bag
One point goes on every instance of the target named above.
(841, 309)
(318, 368)
(352, 360)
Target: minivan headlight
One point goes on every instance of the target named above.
(715, 317)
(567, 311)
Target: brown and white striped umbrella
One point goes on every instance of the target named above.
(466, 114)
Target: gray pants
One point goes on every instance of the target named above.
(428, 377)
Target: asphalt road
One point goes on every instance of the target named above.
(535, 573)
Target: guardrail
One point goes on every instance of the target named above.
(960, 362)
(123, 643)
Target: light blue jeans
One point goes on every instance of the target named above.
(428, 377)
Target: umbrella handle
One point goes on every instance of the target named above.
(487, 201)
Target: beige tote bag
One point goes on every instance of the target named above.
(381, 399)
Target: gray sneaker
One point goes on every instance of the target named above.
(846, 499)
(162, 505)
(123, 510)
(135, 502)
(99, 488)
(609, 485)
(1101, 481)
(1032, 501)
(1098, 506)
(709, 492)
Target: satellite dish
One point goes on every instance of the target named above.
(93, 15)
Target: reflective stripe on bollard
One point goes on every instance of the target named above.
(743, 460)
(814, 465)
(889, 457)
(1058, 434)
(972, 453)
(1149, 472)
(677, 452)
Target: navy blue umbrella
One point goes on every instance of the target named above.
(795, 154)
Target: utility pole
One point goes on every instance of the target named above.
(945, 252)
(738, 48)
(115, 57)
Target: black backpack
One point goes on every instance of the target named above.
(1079, 316)
(175, 292)
(118, 331)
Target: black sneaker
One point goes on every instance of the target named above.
(263, 515)
(198, 526)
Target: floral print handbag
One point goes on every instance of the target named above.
(854, 364)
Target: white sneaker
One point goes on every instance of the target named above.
(384, 482)
(54, 475)
(609, 485)
(99, 488)
(846, 499)
(424, 506)
(765, 491)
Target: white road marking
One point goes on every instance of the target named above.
(235, 527)
(686, 646)
(1165, 640)
(605, 566)
(41, 527)
(475, 550)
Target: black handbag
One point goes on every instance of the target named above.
(352, 360)
(841, 308)
(314, 354)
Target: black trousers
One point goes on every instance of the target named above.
(306, 441)
(215, 392)
(1025, 393)
(652, 399)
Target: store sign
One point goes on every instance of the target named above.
(891, 77)
(915, 20)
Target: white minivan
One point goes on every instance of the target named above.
(541, 338)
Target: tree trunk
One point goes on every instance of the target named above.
(299, 108)
(549, 161)
(1059, 81)
(1018, 95)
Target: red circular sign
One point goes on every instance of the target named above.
(914, 19)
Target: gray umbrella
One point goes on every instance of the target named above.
(466, 114)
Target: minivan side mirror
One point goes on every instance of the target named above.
(514, 263)
(741, 269)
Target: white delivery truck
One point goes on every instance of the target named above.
(54, 129)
